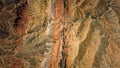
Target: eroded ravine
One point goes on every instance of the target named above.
(59, 34)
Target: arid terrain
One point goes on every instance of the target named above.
(59, 34)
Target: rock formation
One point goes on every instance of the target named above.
(59, 34)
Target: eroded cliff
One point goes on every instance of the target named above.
(59, 34)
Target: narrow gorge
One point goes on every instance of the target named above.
(59, 33)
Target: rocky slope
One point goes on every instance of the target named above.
(59, 34)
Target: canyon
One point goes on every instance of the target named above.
(59, 34)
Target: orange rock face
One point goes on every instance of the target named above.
(59, 34)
